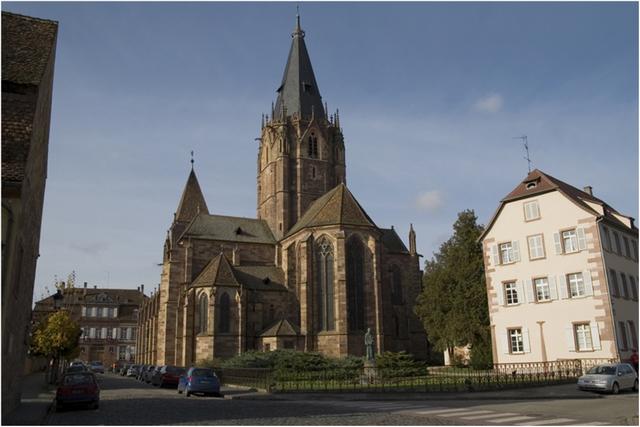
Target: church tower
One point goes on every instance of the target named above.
(301, 154)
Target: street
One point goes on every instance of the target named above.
(125, 401)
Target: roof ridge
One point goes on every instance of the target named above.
(31, 18)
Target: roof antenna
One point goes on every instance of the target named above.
(526, 149)
(191, 159)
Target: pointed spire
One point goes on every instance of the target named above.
(192, 201)
(412, 240)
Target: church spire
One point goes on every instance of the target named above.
(412, 241)
(192, 201)
(299, 93)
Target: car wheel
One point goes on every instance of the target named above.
(635, 385)
(615, 388)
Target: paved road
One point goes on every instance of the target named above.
(125, 401)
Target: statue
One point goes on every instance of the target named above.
(368, 343)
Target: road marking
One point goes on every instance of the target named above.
(506, 420)
(597, 423)
(543, 422)
(440, 411)
(479, 417)
(456, 414)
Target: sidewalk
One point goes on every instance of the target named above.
(36, 401)
(563, 391)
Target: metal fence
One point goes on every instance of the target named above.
(413, 379)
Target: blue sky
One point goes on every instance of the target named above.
(430, 96)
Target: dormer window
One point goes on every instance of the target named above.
(530, 185)
(238, 230)
(307, 87)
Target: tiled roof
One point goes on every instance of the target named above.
(192, 201)
(27, 44)
(218, 272)
(392, 241)
(337, 207)
(262, 278)
(282, 328)
(230, 228)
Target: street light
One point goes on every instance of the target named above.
(57, 299)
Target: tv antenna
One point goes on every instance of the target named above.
(526, 149)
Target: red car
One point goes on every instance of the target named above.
(78, 388)
(167, 375)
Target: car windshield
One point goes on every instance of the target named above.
(202, 373)
(76, 368)
(602, 370)
(76, 379)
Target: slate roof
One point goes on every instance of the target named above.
(336, 207)
(282, 328)
(220, 272)
(392, 241)
(299, 92)
(192, 201)
(545, 183)
(230, 228)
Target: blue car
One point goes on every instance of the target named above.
(199, 381)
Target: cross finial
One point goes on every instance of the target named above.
(298, 31)
(192, 160)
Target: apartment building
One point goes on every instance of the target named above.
(561, 273)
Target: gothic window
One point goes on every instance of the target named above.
(396, 285)
(396, 325)
(313, 146)
(355, 285)
(224, 310)
(324, 285)
(203, 309)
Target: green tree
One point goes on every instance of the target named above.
(453, 302)
(56, 338)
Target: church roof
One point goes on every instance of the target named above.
(299, 91)
(392, 241)
(282, 328)
(258, 277)
(218, 272)
(230, 228)
(337, 207)
(192, 201)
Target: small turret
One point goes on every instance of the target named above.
(412, 241)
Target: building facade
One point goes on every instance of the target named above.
(312, 272)
(562, 275)
(108, 319)
(28, 57)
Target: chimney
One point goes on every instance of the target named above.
(589, 190)
(95, 286)
(85, 285)
(138, 288)
(142, 289)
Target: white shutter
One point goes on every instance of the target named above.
(571, 343)
(520, 291)
(516, 250)
(128, 333)
(84, 311)
(582, 240)
(104, 333)
(504, 340)
(588, 286)
(595, 336)
(553, 288)
(494, 255)
(500, 293)
(556, 240)
(526, 346)
(528, 284)
(115, 312)
(93, 311)
(564, 286)
(116, 333)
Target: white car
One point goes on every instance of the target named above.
(611, 377)
(97, 367)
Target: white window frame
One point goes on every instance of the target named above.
(584, 340)
(536, 250)
(511, 292)
(576, 283)
(541, 285)
(531, 210)
(566, 237)
(516, 340)
(505, 251)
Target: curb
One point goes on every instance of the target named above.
(388, 398)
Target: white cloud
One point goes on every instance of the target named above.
(489, 104)
(430, 201)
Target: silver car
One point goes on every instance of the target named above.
(611, 377)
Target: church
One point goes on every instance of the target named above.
(312, 272)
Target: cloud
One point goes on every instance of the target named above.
(92, 248)
(430, 201)
(489, 104)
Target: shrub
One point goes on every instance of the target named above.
(399, 364)
(210, 362)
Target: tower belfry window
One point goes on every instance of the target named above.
(313, 146)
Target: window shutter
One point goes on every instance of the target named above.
(558, 244)
(588, 286)
(116, 332)
(595, 336)
(582, 240)
(104, 333)
(516, 250)
(571, 344)
(128, 333)
(505, 343)
(115, 312)
(564, 286)
(553, 288)
(528, 284)
(526, 346)
(494, 255)
(500, 293)
(520, 291)
(84, 311)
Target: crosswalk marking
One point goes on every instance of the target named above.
(457, 414)
(441, 411)
(510, 419)
(493, 415)
(597, 423)
(543, 422)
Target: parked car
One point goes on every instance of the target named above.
(133, 371)
(611, 377)
(123, 369)
(141, 371)
(146, 375)
(97, 367)
(78, 388)
(152, 373)
(76, 368)
(167, 375)
(77, 363)
(199, 380)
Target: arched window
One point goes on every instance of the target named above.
(203, 309)
(355, 285)
(324, 285)
(224, 312)
(313, 146)
(396, 284)
(396, 325)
